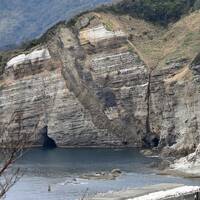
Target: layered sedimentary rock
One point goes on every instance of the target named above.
(92, 87)
(174, 111)
(99, 33)
(36, 55)
(98, 80)
(86, 97)
(41, 95)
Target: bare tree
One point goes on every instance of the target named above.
(13, 143)
(15, 137)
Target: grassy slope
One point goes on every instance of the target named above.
(158, 44)
(157, 11)
(177, 39)
(183, 39)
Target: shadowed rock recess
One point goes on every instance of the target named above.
(109, 80)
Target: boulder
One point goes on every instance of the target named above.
(116, 171)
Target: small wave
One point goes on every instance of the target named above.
(74, 181)
(155, 156)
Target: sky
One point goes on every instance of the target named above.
(22, 20)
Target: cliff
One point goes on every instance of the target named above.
(109, 80)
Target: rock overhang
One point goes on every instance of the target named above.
(34, 56)
(98, 34)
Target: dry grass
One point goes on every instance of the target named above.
(156, 44)
(183, 39)
(184, 73)
(109, 20)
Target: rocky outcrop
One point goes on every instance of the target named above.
(101, 80)
(87, 98)
(41, 94)
(176, 117)
(92, 87)
(35, 56)
(188, 166)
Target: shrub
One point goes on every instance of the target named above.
(157, 11)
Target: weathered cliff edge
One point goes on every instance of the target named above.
(106, 80)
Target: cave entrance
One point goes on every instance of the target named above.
(155, 142)
(47, 142)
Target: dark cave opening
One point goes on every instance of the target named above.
(47, 142)
(155, 142)
(151, 141)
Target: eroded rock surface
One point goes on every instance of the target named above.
(92, 86)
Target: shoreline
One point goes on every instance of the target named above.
(152, 192)
(165, 169)
(178, 173)
(145, 152)
(84, 147)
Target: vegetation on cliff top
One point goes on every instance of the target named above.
(157, 11)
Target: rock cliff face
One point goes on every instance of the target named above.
(92, 84)
(174, 108)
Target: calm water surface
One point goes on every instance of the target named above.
(58, 168)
